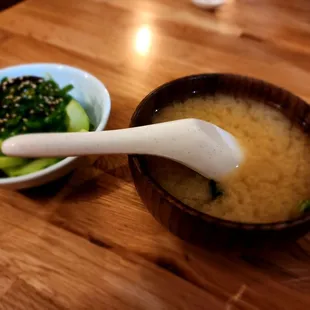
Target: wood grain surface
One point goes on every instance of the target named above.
(87, 242)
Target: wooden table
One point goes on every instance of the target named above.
(87, 242)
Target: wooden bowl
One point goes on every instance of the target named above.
(184, 221)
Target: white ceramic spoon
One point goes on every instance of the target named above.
(199, 145)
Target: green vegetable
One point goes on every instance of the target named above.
(8, 162)
(77, 117)
(304, 206)
(33, 166)
(31, 104)
(215, 190)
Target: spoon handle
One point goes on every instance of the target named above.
(138, 140)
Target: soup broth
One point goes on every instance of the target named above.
(270, 183)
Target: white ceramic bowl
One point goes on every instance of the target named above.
(88, 90)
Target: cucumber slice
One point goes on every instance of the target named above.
(77, 118)
(33, 166)
(9, 162)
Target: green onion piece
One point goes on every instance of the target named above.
(304, 206)
(66, 89)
